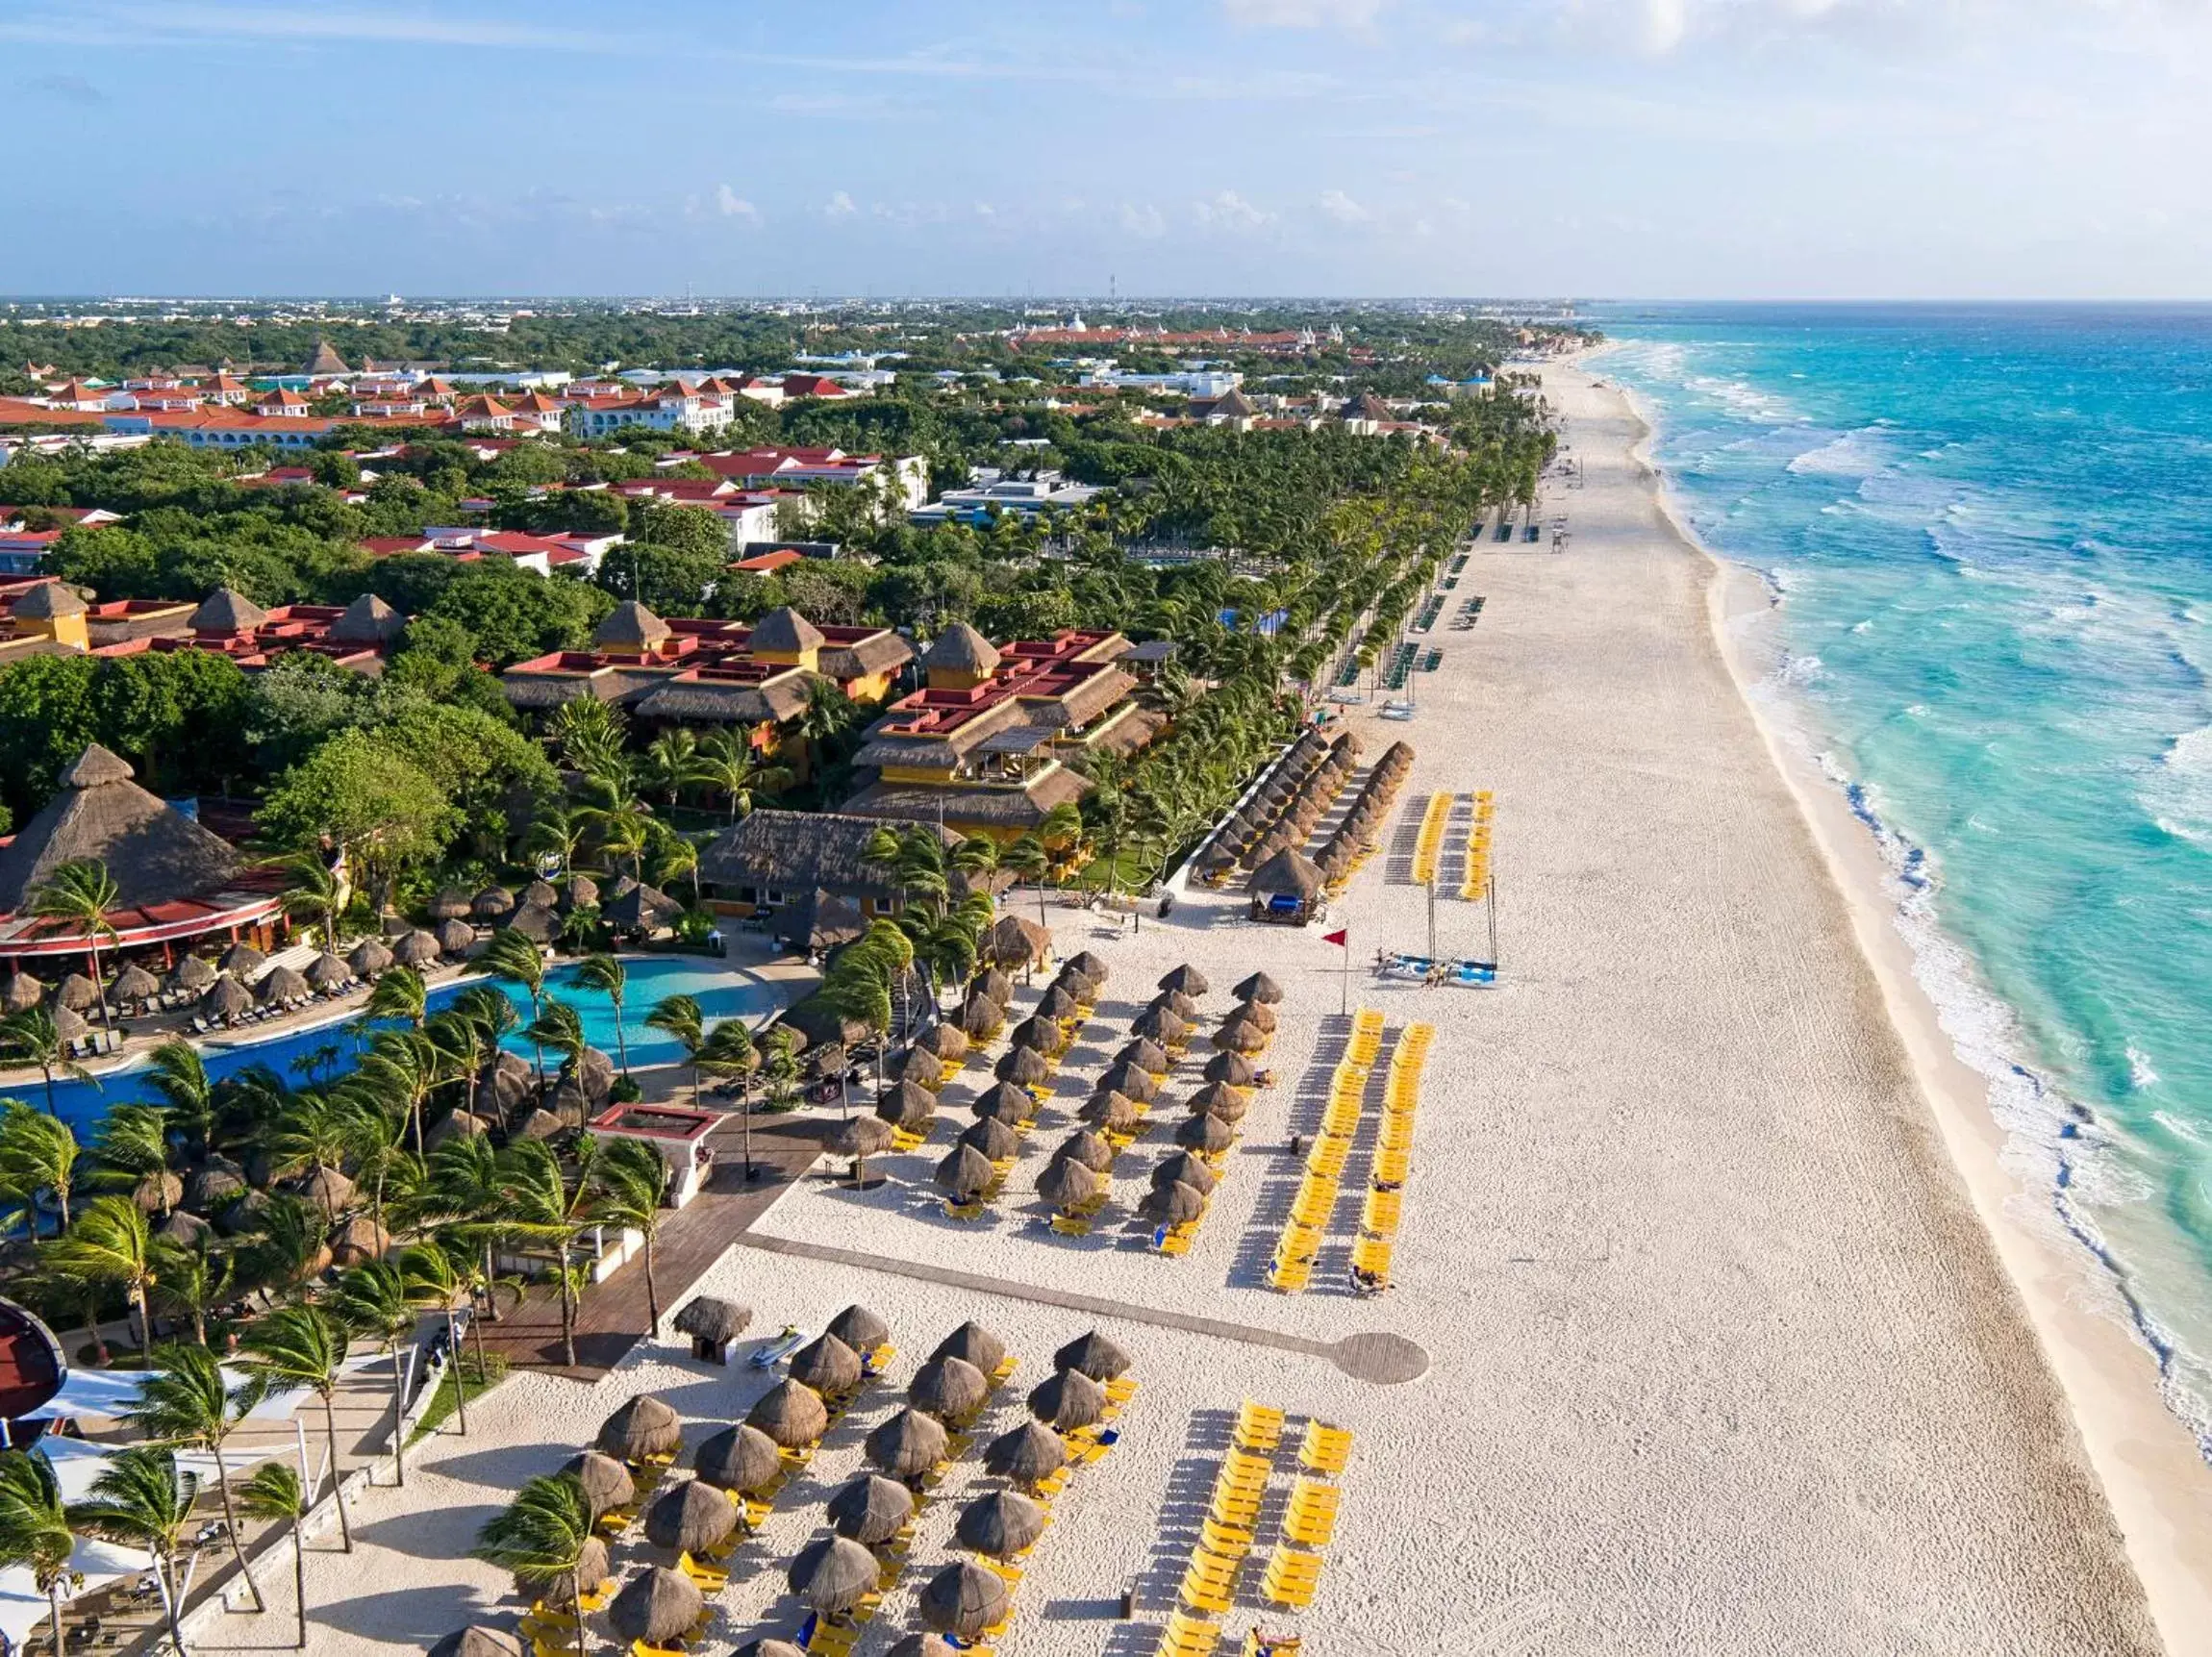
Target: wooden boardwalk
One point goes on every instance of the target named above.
(612, 1316)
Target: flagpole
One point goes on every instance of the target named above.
(1344, 998)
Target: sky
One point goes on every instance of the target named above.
(1588, 148)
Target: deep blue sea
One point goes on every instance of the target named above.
(1990, 533)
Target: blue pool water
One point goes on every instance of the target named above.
(1989, 530)
(300, 1056)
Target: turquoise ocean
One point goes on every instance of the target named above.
(1988, 532)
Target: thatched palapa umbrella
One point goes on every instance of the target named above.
(1084, 990)
(791, 1413)
(827, 1365)
(1255, 1013)
(1185, 1167)
(995, 984)
(1132, 1079)
(992, 1138)
(607, 1482)
(538, 924)
(1175, 1204)
(591, 1565)
(1038, 1035)
(536, 1124)
(1177, 1003)
(1158, 1025)
(690, 1517)
(1089, 965)
(489, 904)
(455, 938)
(281, 986)
(1147, 1056)
(326, 971)
(1068, 1400)
(945, 1042)
(370, 957)
(1017, 943)
(77, 992)
(975, 1345)
(921, 1646)
(715, 1321)
(71, 1026)
(1240, 1036)
(1058, 1005)
(738, 1458)
(1185, 980)
(358, 1240)
(951, 1389)
(1092, 1354)
(1067, 1184)
(1000, 1524)
(962, 1600)
(859, 1328)
(242, 960)
(158, 1192)
(906, 1446)
(184, 1227)
(658, 1607)
(1024, 1066)
(1109, 1112)
(1231, 1070)
(871, 1509)
(834, 1574)
(981, 1017)
(136, 984)
(19, 993)
(965, 1174)
(645, 1426)
(1004, 1102)
(448, 905)
(193, 973)
(862, 1138)
(417, 949)
(479, 1641)
(542, 894)
(1219, 1098)
(1086, 1148)
(907, 1105)
(1028, 1455)
(921, 1067)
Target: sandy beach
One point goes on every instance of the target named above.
(1720, 1355)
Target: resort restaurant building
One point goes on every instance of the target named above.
(695, 670)
(51, 617)
(804, 877)
(987, 746)
(176, 881)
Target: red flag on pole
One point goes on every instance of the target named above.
(1336, 937)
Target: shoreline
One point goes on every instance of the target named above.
(2152, 1472)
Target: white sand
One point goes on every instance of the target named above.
(1722, 1359)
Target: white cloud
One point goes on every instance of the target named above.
(731, 205)
(1145, 221)
(839, 206)
(1343, 208)
(1303, 14)
(1229, 211)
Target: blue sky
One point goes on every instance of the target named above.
(1646, 148)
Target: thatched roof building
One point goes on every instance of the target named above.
(807, 872)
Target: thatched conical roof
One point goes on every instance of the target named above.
(1240, 1036)
(1176, 1203)
(921, 1067)
(1185, 980)
(539, 925)
(907, 1105)
(738, 1458)
(1089, 965)
(358, 1238)
(136, 984)
(791, 1413)
(1040, 1035)
(153, 853)
(709, 1318)
(951, 1389)
(19, 992)
(1147, 1056)
(1218, 1099)
(71, 1026)
(906, 1446)
(960, 649)
(480, 1641)
(536, 1124)
(327, 972)
(656, 1607)
(1057, 1004)
(1004, 1101)
(981, 1017)
(974, 1345)
(77, 992)
(1023, 1065)
(1028, 1455)
(1066, 1183)
(451, 904)
(492, 903)
(834, 1574)
(944, 1041)
(1158, 1025)
(1068, 1400)
(645, 1426)
(1177, 1003)
(417, 949)
(1133, 1080)
(1000, 1524)
(370, 957)
(1109, 1111)
(992, 1138)
(283, 984)
(1086, 1148)
(184, 1227)
(455, 938)
(213, 1183)
(827, 1365)
(962, 1600)
(1231, 1070)
(995, 984)
(692, 1515)
(326, 1189)
(1014, 942)
(1185, 1167)
(193, 973)
(1287, 871)
(593, 1567)
(1255, 1013)
(871, 1509)
(606, 1483)
(859, 1328)
(1092, 1354)
(629, 626)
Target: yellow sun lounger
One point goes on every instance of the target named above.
(1225, 1540)
(1325, 1450)
(1259, 1427)
(1188, 1636)
(1291, 1578)
(1311, 1518)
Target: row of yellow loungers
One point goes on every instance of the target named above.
(1315, 1200)
(1383, 1207)
(1227, 1535)
(1429, 845)
(1474, 882)
(825, 1638)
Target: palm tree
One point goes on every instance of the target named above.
(624, 831)
(671, 762)
(189, 1277)
(550, 1205)
(110, 1245)
(402, 1069)
(487, 1016)
(188, 1095)
(29, 1038)
(679, 1016)
(186, 1400)
(631, 1176)
(37, 1153)
(540, 1536)
(466, 1195)
(673, 859)
(829, 714)
(1025, 858)
(371, 1300)
(729, 1051)
(605, 974)
(303, 1346)
(725, 765)
(431, 1284)
(513, 959)
(314, 889)
(560, 1027)
(559, 831)
(139, 1500)
(131, 1147)
(82, 894)
(34, 1531)
(398, 994)
(274, 1493)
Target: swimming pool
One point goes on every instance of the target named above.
(324, 1050)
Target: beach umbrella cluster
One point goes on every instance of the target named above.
(1362, 826)
(1284, 808)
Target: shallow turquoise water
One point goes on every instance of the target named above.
(722, 992)
(1991, 531)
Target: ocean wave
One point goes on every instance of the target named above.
(2178, 795)
(2140, 1073)
(1853, 453)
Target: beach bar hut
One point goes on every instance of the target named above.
(714, 1326)
(1287, 890)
